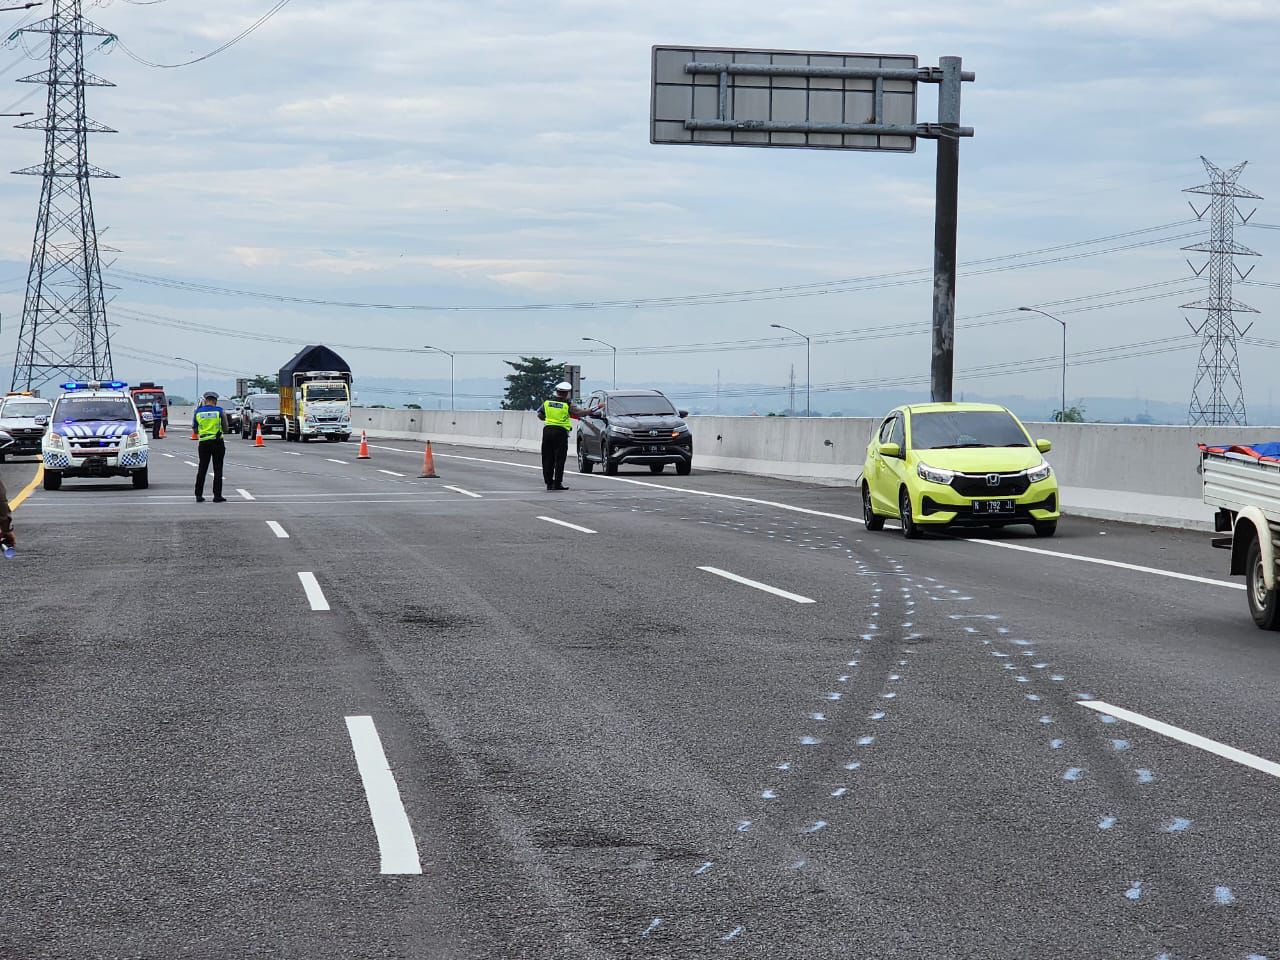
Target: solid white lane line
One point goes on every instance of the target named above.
(465, 493)
(1111, 563)
(315, 596)
(343, 462)
(390, 473)
(278, 530)
(565, 523)
(396, 846)
(794, 597)
(1185, 736)
(244, 493)
(190, 463)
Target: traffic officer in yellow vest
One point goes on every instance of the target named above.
(209, 424)
(558, 416)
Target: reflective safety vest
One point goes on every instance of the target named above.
(556, 414)
(209, 423)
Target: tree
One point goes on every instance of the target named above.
(263, 382)
(413, 406)
(1074, 414)
(532, 380)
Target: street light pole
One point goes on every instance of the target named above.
(615, 358)
(808, 382)
(197, 366)
(450, 356)
(1062, 414)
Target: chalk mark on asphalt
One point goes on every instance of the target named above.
(396, 846)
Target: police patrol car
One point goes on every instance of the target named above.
(95, 431)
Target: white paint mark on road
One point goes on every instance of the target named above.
(1155, 571)
(244, 493)
(793, 597)
(315, 596)
(191, 463)
(1176, 825)
(654, 924)
(1073, 774)
(1135, 891)
(390, 473)
(1106, 823)
(278, 530)
(733, 934)
(290, 453)
(169, 456)
(703, 869)
(769, 794)
(566, 523)
(396, 845)
(332, 460)
(1145, 776)
(1187, 737)
(815, 826)
(1223, 896)
(465, 493)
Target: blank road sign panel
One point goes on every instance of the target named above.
(798, 89)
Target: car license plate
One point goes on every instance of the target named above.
(987, 507)
(655, 449)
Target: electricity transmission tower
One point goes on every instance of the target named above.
(1217, 398)
(64, 321)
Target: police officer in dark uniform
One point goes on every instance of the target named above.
(209, 424)
(7, 539)
(558, 416)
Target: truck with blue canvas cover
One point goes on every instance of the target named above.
(315, 396)
(96, 432)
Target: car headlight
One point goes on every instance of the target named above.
(56, 441)
(311, 418)
(934, 474)
(1036, 474)
(135, 439)
(621, 431)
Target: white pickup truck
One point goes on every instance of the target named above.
(1245, 487)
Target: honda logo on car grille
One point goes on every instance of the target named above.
(993, 479)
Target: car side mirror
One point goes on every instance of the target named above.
(891, 450)
(1044, 446)
(682, 413)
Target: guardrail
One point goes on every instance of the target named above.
(1135, 473)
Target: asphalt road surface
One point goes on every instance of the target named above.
(647, 717)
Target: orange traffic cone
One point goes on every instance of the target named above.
(257, 439)
(429, 464)
(160, 430)
(194, 435)
(363, 453)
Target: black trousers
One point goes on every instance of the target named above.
(555, 448)
(210, 450)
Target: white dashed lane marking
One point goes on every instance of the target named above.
(315, 596)
(1185, 736)
(278, 530)
(396, 846)
(391, 473)
(332, 460)
(190, 463)
(755, 584)
(245, 494)
(465, 493)
(566, 523)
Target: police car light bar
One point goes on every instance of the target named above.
(95, 385)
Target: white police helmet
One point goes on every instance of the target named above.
(563, 387)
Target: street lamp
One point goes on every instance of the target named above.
(615, 358)
(1063, 409)
(450, 356)
(197, 366)
(808, 409)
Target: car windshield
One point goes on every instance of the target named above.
(26, 408)
(144, 398)
(266, 403)
(327, 393)
(646, 406)
(966, 428)
(76, 409)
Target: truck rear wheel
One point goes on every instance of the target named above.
(1264, 604)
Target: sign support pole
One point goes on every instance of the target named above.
(946, 215)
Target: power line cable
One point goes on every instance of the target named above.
(260, 22)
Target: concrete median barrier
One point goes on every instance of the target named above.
(1142, 474)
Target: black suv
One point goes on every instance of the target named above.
(634, 426)
(264, 409)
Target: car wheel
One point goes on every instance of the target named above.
(1047, 529)
(52, 480)
(140, 479)
(606, 464)
(584, 465)
(870, 518)
(2, 456)
(684, 468)
(1264, 605)
(657, 467)
(909, 528)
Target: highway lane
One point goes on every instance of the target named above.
(580, 723)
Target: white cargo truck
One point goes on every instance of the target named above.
(1244, 484)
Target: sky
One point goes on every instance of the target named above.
(497, 155)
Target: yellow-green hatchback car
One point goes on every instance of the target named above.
(936, 465)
